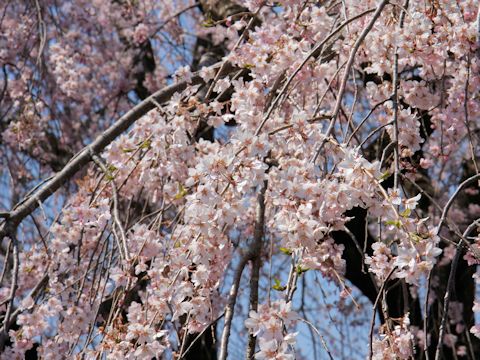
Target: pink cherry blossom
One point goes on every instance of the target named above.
(225, 175)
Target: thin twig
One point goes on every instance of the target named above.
(199, 336)
(452, 198)
(425, 318)
(374, 312)
(346, 75)
(122, 245)
(230, 308)
(172, 17)
(467, 121)
(314, 51)
(185, 333)
(237, 44)
(375, 107)
(256, 249)
(374, 132)
(13, 289)
(396, 153)
(322, 339)
(451, 277)
(478, 31)
(5, 261)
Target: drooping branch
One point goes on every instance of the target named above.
(229, 310)
(314, 52)
(346, 75)
(221, 9)
(256, 251)
(83, 157)
(122, 240)
(13, 289)
(252, 254)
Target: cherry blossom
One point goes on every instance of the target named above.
(177, 174)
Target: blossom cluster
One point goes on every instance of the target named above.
(268, 324)
(141, 253)
(396, 343)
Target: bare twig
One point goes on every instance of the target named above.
(373, 132)
(451, 279)
(42, 30)
(314, 51)
(322, 339)
(425, 318)
(374, 311)
(229, 310)
(396, 154)
(467, 121)
(452, 198)
(185, 333)
(237, 44)
(346, 75)
(377, 105)
(13, 289)
(172, 17)
(478, 31)
(6, 261)
(256, 249)
(199, 336)
(122, 244)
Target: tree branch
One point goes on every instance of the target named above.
(451, 278)
(256, 251)
(83, 157)
(346, 75)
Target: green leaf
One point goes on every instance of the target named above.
(415, 237)
(285, 251)
(181, 192)
(395, 223)
(146, 144)
(406, 213)
(278, 286)
(208, 23)
(301, 270)
(384, 176)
